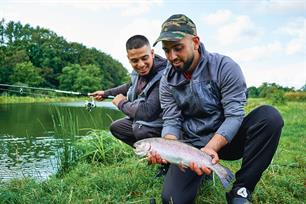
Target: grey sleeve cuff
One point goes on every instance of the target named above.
(128, 108)
(172, 131)
(230, 127)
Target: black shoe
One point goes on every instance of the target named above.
(162, 170)
(239, 195)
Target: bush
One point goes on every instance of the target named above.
(278, 98)
(104, 148)
(296, 96)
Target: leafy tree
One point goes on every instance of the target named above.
(15, 57)
(68, 77)
(278, 97)
(2, 30)
(51, 53)
(303, 88)
(88, 79)
(253, 92)
(26, 73)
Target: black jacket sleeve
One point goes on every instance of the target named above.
(145, 110)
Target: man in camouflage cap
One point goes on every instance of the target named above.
(203, 96)
(175, 28)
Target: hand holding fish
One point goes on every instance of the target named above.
(160, 150)
(203, 169)
(154, 158)
(210, 151)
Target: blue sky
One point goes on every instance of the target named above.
(265, 37)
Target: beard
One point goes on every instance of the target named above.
(186, 65)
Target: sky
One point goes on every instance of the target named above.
(265, 37)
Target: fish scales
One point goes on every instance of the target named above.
(177, 152)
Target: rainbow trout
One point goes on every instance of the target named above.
(177, 152)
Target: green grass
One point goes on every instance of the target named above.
(5, 99)
(109, 172)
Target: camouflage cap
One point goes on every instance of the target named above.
(176, 27)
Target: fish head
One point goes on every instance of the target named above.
(142, 148)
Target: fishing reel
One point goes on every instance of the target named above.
(89, 105)
(21, 91)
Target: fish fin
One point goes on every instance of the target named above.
(182, 166)
(226, 178)
(182, 169)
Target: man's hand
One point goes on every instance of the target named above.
(98, 95)
(213, 146)
(212, 153)
(117, 99)
(154, 157)
(203, 169)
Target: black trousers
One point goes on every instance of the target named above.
(255, 142)
(129, 132)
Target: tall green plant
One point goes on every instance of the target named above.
(104, 148)
(66, 126)
(278, 98)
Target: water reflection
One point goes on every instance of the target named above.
(28, 146)
(29, 157)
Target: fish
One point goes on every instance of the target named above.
(177, 152)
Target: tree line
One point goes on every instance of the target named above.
(39, 57)
(277, 93)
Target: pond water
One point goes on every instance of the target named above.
(29, 146)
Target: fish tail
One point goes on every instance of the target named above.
(226, 176)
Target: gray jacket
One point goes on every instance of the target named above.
(143, 107)
(211, 102)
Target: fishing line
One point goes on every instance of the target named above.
(89, 105)
(46, 89)
(24, 92)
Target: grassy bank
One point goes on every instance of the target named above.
(30, 99)
(109, 172)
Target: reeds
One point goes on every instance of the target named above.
(102, 147)
(66, 126)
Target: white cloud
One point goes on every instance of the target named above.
(127, 7)
(296, 29)
(283, 6)
(231, 29)
(240, 30)
(275, 6)
(92, 4)
(220, 17)
(138, 26)
(140, 7)
(257, 52)
(281, 74)
(106, 36)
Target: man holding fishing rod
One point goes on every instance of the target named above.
(203, 96)
(139, 100)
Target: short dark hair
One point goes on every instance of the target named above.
(136, 41)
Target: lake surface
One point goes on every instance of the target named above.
(29, 145)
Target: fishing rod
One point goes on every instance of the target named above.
(89, 105)
(45, 89)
